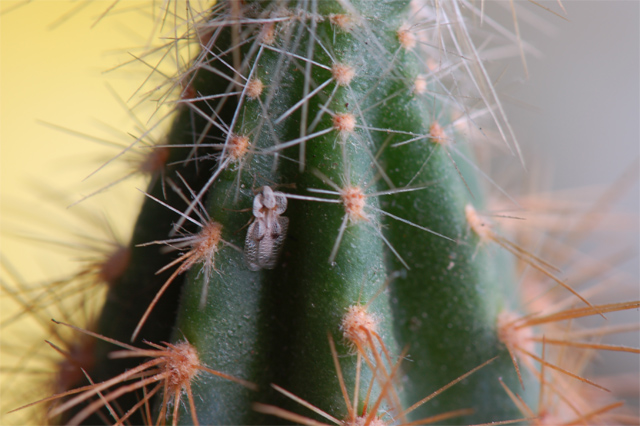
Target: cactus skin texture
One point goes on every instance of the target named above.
(358, 79)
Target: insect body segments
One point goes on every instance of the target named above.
(267, 232)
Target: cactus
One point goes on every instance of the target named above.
(319, 186)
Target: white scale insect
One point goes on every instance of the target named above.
(266, 233)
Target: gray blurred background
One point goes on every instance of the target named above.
(579, 111)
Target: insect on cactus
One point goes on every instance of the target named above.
(321, 154)
(268, 231)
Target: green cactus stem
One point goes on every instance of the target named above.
(331, 106)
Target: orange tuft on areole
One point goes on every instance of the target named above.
(254, 88)
(357, 325)
(420, 85)
(80, 355)
(182, 365)
(188, 92)
(268, 33)
(155, 160)
(362, 421)
(432, 64)
(237, 147)
(354, 202)
(342, 73)
(115, 265)
(344, 123)
(344, 22)
(208, 240)
(204, 34)
(406, 38)
(437, 134)
(169, 368)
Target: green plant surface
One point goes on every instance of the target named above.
(270, 327)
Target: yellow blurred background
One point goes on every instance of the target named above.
(77, 87)
(70, 100)
(54, 69)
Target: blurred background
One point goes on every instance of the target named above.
(576, 116)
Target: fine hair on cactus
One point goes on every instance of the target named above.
(333, 227)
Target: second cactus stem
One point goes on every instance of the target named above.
(322, 197)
